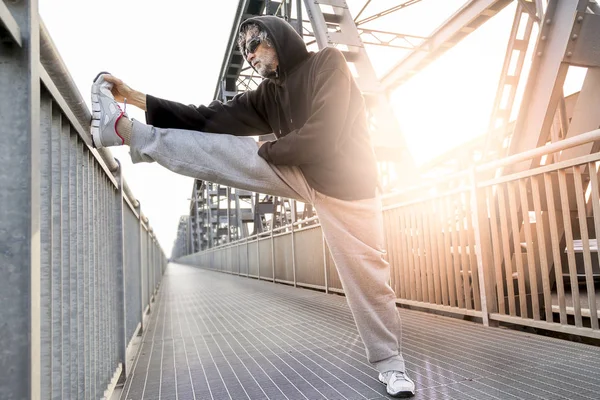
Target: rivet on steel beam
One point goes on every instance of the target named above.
(569, 54)
(574, 37)
(548, 21)
(544, 37)
(539, 54)
(580, 18)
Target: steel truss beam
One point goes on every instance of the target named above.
(8, 22)
(470, 17)
(233, 62)
(383, 13)
(543, 92)
(235, 77)
(23, 207)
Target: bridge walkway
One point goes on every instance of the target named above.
(217, 336)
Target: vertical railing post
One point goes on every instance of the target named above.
(20, 215)
(325, 261)
(258, 255)
(140, 249)
(148, 263)
(273, 248)
(485, 263)
(120, 272)
(247, 258)
(294, 241)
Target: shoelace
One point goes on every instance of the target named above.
(390, 375)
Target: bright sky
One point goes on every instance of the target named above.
(174, 50)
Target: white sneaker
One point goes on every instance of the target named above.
(398, 384)
(106, 112)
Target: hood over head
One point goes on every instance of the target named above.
(290, 47)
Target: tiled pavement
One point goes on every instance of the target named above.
(217, 336)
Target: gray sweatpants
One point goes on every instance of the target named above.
(353, 229)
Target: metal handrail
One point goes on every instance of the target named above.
(58, 72)
(565, 144)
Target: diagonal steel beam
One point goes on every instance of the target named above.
(386, 12)
(7, 19)
(240, 14)
(470, 17)
(546, 78)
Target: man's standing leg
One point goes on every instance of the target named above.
(354, 234)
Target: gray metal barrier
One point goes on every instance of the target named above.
(520, 249)
(79, 263)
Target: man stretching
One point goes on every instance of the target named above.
(322, 156)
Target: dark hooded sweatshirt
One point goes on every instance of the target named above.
(314, 108)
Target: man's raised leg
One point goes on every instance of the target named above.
(225, 159)
(219, 158)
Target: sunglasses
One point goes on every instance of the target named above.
(251, 45)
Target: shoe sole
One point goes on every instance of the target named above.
(401, 395)
(95, 131)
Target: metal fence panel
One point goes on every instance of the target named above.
(333, 278)
(61, 229)
(46, 242)
(283, 257)
(253, 258)
(144, 265)
(265, 258)
(309, 257)
(243, 257)
(132, 273)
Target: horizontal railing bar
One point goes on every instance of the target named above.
(578, 140)
(129, 194)
(65, 108)
(432, 197)
(310, 286)
(565, 144)
(59, 99)
(284, 281)
(55, 69)
(305, 221)
(439, 307)
(131, 207)
(10, 23)
(307, 228)
(58, 72)
(427, 184)
(551, 326)
(260, 236)
(282, 234)
(540, 170)
(585, 312)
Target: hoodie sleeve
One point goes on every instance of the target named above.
(322, 133)
(241, 116)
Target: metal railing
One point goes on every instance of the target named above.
(79, 262)
(518, 249)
